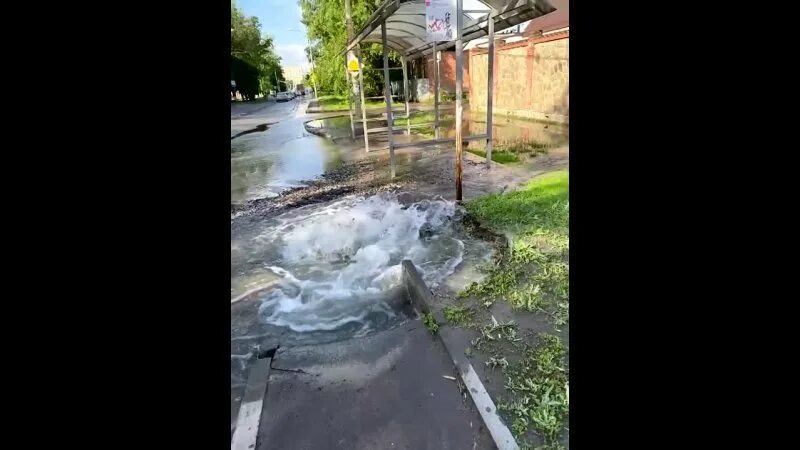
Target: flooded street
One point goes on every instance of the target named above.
(327, 272)
(264, 163)
(334, 266)
(319, 231)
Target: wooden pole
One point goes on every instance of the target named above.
(435, 91)
(459, 105)
(387, 92)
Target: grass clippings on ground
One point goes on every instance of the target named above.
(430, 323)
(459, 315)
(532, 275)
(539, 385)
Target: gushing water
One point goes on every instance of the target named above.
(338, 266)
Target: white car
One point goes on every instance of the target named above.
(283, 97)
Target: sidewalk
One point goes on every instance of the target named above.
(383, 391)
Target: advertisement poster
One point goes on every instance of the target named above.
(440, 20)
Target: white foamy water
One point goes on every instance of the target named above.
(339, 265)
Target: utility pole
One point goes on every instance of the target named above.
(348, 20)
(356, 87)
(459, 106)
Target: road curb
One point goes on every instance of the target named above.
(317, 131)
(422, 299)
(245, 435)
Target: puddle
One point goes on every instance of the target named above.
(507, 130)
(265, 164)
(334, 269)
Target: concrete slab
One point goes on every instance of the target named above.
(383, 391)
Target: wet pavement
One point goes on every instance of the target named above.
(373, 404)
(264, 163)
(385, 391)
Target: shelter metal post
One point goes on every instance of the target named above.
(405, 93)
(350, 102)
(435, 91)
(405, 82)
(459, 83)
(490, 92)
(363, 103)
(387, 92)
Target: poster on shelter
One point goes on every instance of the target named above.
(440, 20)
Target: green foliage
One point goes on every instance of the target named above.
(534, 273)
(541, 204)
(339, 103)
(325, 22)
(497, 156)
(539, 385)
(254, 64)
(246, 76)
(458, 315)
(527, 146)
(430, 323)
(425, 117)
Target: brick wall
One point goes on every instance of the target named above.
(531, 79)
(447, 72)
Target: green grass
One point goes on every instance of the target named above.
(426, 132)
(339, 103)
(426, 117)
(534, 273)
(521, 146)
(539, 386)
(501, 157)
(541, 204)
(430, 323)
(458, 315)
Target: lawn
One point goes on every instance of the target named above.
(497, 156)
(426, 117)
(533, 277)
(339, 103)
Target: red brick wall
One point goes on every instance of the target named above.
(447, 72)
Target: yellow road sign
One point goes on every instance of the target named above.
(353, 65)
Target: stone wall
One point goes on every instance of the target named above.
(531, 79)
(551, 78)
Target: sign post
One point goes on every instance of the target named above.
(353, 65)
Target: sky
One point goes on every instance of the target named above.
(276, 18)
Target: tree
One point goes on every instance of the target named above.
(254, 63)
(325, 22)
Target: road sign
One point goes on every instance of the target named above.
(352, 64)
(440, 19)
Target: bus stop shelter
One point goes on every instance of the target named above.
(401, 25)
